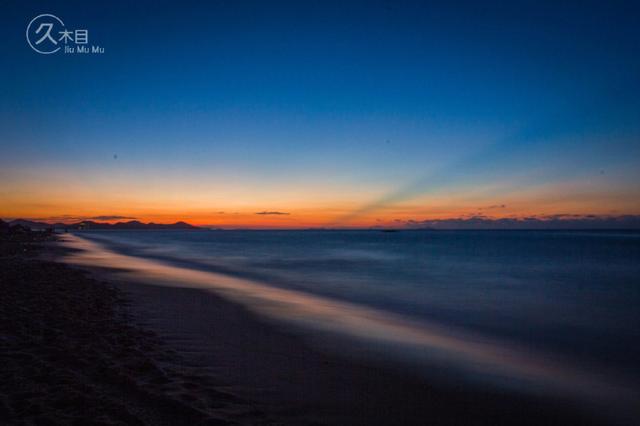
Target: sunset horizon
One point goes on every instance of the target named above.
(472, 221)
(321, 126)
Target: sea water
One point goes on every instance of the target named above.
(509, 299)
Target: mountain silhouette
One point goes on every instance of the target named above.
(89, 224)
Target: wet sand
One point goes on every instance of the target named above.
(70, 353)
(300, 384)
(78, 350)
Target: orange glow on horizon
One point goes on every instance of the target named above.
(54, 196)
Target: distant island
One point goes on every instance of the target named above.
(89, 224)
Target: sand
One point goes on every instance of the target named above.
(70, 354)
(75, 349)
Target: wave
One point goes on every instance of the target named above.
(425, 346)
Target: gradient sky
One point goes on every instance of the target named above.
(335, 113)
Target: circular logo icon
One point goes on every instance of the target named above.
(43, 33)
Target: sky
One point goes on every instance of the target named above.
(323, 114)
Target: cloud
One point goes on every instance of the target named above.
(493, 207)
(556, 221)
(272, 213)
(60, 218)
(113, 217)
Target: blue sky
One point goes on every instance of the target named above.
(376, 102)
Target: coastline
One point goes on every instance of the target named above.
(70, 353)
(243, 358)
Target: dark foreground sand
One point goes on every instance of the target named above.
(75, 350)
(70, 354)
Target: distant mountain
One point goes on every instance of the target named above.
(89, 224)
(30, 224)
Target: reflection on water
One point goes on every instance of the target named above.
(401, 337)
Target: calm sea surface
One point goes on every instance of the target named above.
(575, 295)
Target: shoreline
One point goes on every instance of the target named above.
(275, 377)
(71, 354)
(341, 379)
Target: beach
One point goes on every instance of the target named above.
(78, 349)
(71, 354)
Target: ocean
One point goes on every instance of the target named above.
(537, 310)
